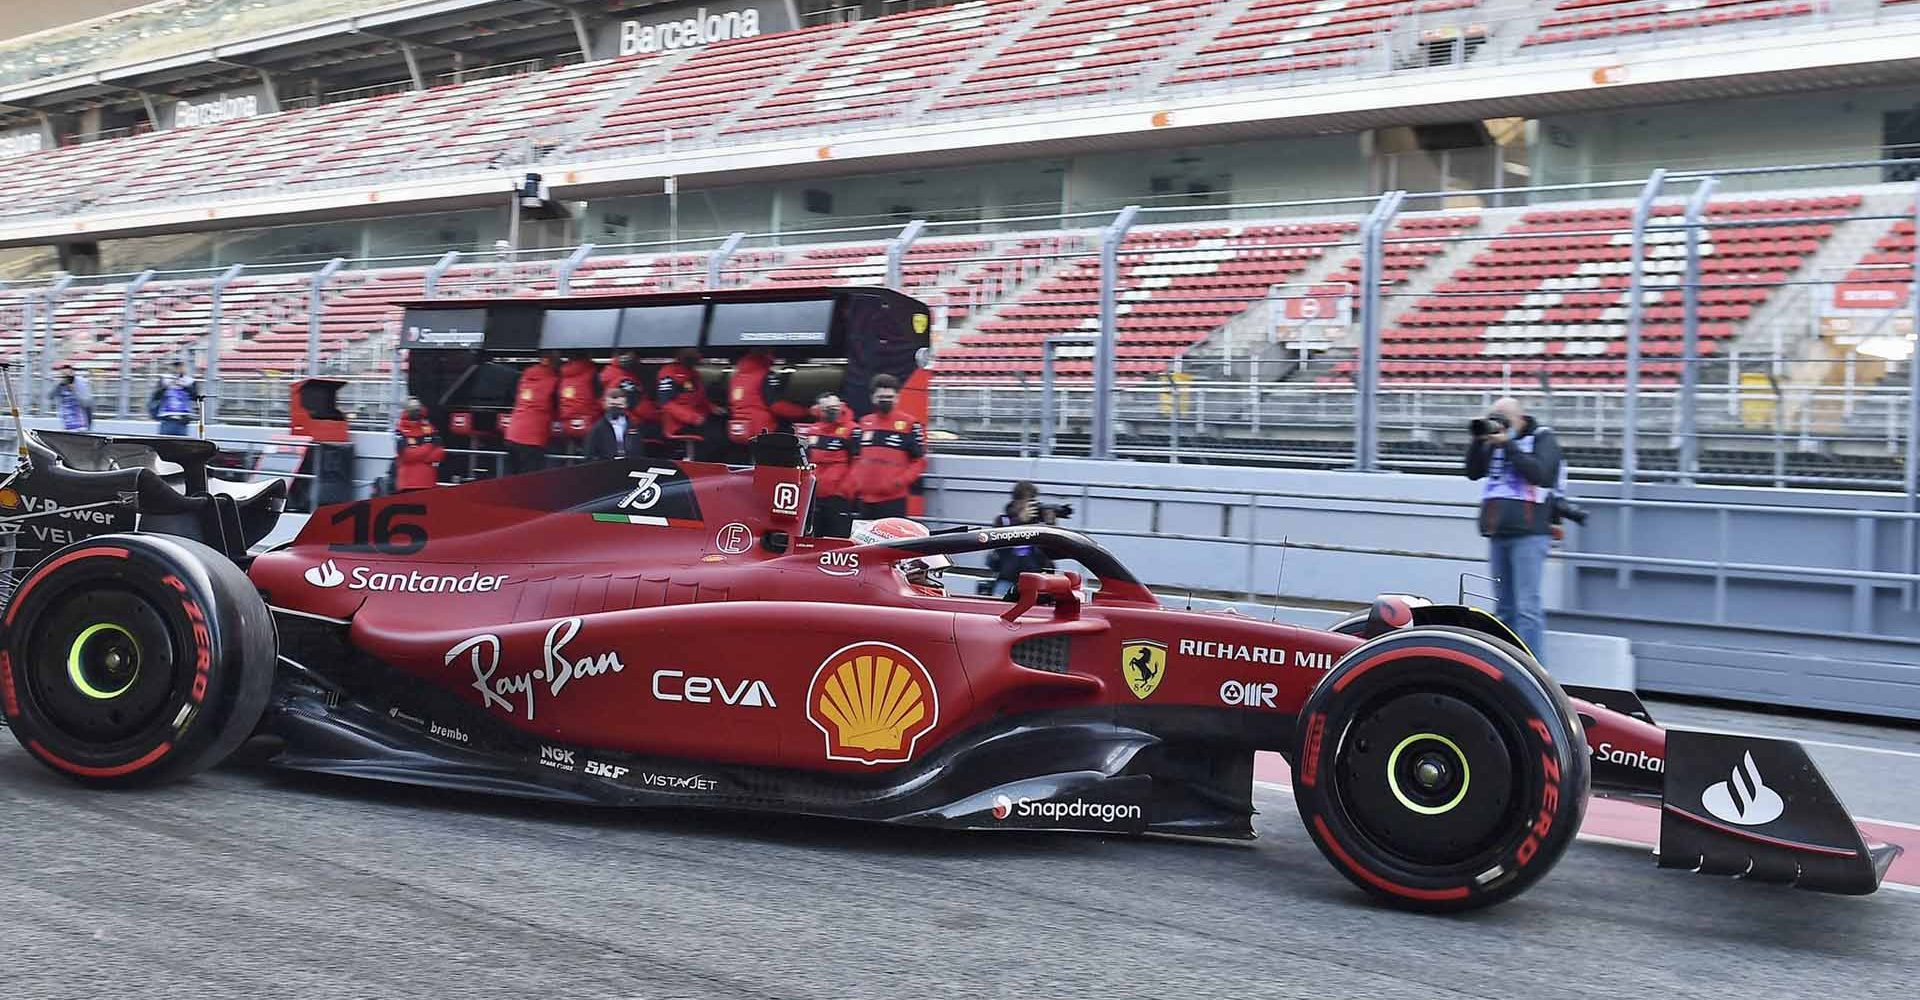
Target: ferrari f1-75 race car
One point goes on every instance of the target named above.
(659, 633)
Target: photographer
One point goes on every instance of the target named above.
(1023, 508)
(1520, 461)
(72, 398)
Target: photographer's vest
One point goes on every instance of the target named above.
(1509, 504)
(176, 403)
(73, 416)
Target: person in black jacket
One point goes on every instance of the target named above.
(616, 434)
(1519, 459)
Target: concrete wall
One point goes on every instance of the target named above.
(1776, 637)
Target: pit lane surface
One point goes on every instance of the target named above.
(248, 883)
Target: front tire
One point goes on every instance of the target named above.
(1440, 769)
(135, 660)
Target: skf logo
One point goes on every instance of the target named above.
(840, 563)
(599, 770)
(786, 498)
(872, 701)
(1143, 663)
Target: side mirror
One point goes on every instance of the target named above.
(1062, 588)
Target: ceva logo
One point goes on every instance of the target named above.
(325, 575)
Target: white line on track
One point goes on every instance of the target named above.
(1830, 744)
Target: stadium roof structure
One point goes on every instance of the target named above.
(406, 41)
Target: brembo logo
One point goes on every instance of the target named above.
(700, 29)
(1743, 799)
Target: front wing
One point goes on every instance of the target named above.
(1746, 806)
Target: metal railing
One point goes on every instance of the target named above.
(1782, 392)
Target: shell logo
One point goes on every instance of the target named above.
(872, 701)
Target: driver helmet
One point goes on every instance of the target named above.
(922, 571)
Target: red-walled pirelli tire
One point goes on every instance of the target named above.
(1440, 768)
(134, 659)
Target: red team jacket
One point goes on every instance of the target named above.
(532, 420)
(751, 414)
(683, 399)
(830, 447)
(417, 455)
(892, 456)
(579, 398)
(644, 409)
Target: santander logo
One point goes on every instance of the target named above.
(1002, 807)
(1743, 799)
(325, 575)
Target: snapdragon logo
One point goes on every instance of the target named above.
(702, 28)
(1071, 809)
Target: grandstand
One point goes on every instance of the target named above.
(375, 126)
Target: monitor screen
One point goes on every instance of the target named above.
(566, 329)
(771, 324)
(662, 328)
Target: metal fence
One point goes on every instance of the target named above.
(1668, 332)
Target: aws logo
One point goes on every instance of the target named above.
(872, 701)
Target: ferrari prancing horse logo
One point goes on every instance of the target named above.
(1143, 663)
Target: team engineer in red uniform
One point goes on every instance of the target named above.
(892, 454)
(530, 426)
(753, 400)
(831, 442)
(579, 399)
(684, 406)
(417, 450)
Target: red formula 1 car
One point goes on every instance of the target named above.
(663, 633)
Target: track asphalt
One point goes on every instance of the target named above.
(248, 883)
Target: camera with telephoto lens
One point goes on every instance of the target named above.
(1054, 511)
(1492, 423)
(1564, 509)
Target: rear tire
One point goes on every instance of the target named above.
(1440, 769)
(135, 659)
